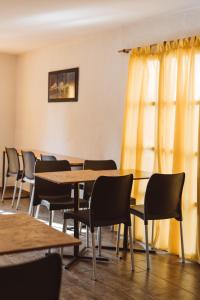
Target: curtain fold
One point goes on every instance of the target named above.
(161, 130)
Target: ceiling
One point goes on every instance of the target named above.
(31, 24)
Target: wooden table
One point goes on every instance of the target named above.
(22, 233)
(74, 161)
(79, 176)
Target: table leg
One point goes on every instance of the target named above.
(76, 227)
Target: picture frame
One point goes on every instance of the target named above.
(63, 85)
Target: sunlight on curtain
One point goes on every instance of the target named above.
(161, 129)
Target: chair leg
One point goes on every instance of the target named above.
(131, 249)
(80, 227)
(4, 188)
(94, 256)
(133, 229)
(14, 193)
(87, 237)
(50, 224)
(182, 243)
(37, 211)
(31, 202)
(33, 211)
(147, 246)
(64, 225)
(19, 195)
(118, 238)
(152, 234)
(50, 217)
(99, 241)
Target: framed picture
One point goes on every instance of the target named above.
(63, 85)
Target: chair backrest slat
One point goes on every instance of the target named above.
(163, 196)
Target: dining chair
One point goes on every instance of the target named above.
(49, 194)
(109, 205)
(13, 170)
(162, 200)
(39, 279)
(47, 157)
(29, 160)
(107, 164)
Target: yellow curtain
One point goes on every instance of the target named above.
(161, 129)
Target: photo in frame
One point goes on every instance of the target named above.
(63, 85)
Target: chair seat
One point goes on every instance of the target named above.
(60, 202)
(137, 210)
(84, 217)
(81, 215)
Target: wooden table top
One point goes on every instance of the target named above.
(88, 175)
(21, 233)
(74, 161)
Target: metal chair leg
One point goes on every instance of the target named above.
(37, 211)
(19, 195)
(131, 249)
(147, 246)
(182, 243)
(64, 225)
(152, 234)
(50, 217)
(14, 193)
(87, 237)
(4, 188)
(33, 211)
(50, 224)
(31, 202)
(118, 238)
(99, 241)
(94, 256)
(133, 228)
(80, 227)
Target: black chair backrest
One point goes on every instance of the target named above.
(13, 161)
(96, 165)
(47, 157)
(29, 160)
(163, 196)
(38, 279)
(47, 188)
(110, 200)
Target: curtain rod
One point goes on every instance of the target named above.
(127, 50)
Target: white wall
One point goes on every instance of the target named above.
(7, 101)
(92, 127)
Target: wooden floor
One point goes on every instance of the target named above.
(168, 278)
